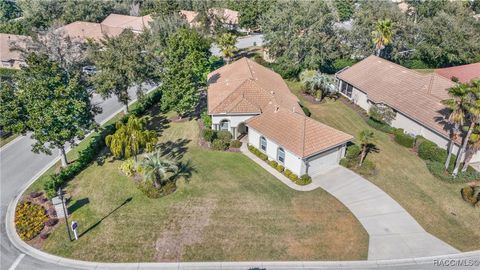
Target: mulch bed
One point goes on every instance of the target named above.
(40, 199)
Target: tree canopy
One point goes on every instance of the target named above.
(185, 68)
(56, 108)
(121, 62)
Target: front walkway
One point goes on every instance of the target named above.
(394, 233)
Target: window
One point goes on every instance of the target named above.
(346, 89)
(224, 125)
(263, 143)
(281, 155)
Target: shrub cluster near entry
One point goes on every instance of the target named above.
(403, 139)
(95, 145)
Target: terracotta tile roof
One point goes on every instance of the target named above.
(296, 132)
(7, 42)
(247, 87)
(464, 73)
(416, 95)
(226, 15)
(190, 17)
(124, 21)
(88, 30)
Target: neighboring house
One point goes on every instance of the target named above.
(464, 73)
(9, 57)
(248, 99)
(111, 26)
(415, 97)
(228, 18)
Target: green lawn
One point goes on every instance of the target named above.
(231, 209)
(436, 205)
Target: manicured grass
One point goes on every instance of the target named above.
(436, 205)
(5, 140)
(230, 209)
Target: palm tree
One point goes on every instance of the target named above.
(473, 147)
(365, 137)
(156, 168)
(382, 36)
(457, 115)
(130, 138)
(472, 105)
(316, 83)
(227, 42)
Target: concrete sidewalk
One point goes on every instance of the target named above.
(394, 233)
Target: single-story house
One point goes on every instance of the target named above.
(227, 17)
(250, 100)
(10, 58)
(464, 73)
(112, 26)
(416, 98)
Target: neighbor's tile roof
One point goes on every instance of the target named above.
(88, 30)
(131, 22)
(7, 43)
(247, 87)
(464, 73)
(190, 16)
(416, 95)
(226, 15)
(296, 132)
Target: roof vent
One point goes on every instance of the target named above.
(276, 108)
(293, 109)
(272, 92)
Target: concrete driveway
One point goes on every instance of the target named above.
(394, 233)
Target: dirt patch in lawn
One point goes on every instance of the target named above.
(184, 229)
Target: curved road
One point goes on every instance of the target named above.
(18, 165)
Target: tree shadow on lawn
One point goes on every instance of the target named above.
(106, 216)
(77, 205)
(158, 121)
(174, 149)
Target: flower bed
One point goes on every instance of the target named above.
(302, 180)
(30, 220)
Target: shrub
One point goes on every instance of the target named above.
(262, 156)
(293, 177)
(35, 194)
(342, 63)
(128, 167)
(273, 163)
(149, 189)
(353, 151)
(209, 135)
(235, 144)
(206, 119)
(51, 222)
(428, 150)
(219, 145)
(367, 168)
(468, 195)
(404, 139)
(304, 180)
(29, 220)
(379, 125)
(224, 136)
(288, 173)
(280, 168)
(437, 169)
(382, 114)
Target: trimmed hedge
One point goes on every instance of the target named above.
(258, 153)
(428, 150)
(304, 180)
(437, 169)
(224, 135)
(380, 126)
(404, 139)
(95, 145)
(220, 145)
(235, 144)
(209, 135)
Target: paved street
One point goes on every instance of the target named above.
(18, 165)
(242, 43)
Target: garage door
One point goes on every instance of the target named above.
(324, 161)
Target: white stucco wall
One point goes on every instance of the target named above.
(292, 162)
(360, 98)
(323, 161)
(234, 119)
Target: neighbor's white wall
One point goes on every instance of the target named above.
(360, 98)
(292, 162)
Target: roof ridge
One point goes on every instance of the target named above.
(234, 91)
(303, 130)
(249, 68)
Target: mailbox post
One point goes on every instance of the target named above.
(74, 229)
